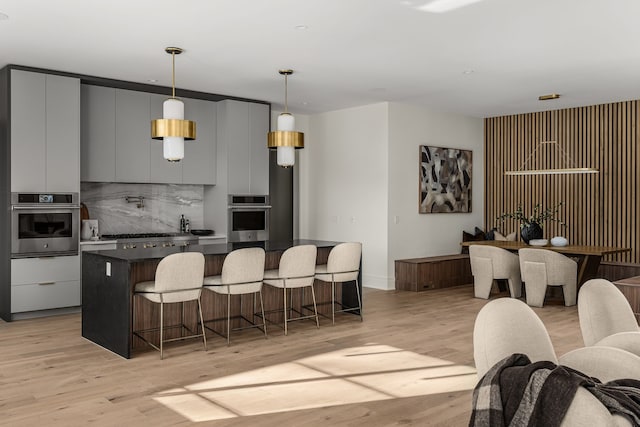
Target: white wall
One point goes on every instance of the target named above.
(420, 235)
(359, 170)
(343, 184)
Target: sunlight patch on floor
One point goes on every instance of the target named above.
(353, 375)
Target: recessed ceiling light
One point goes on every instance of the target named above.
(3, 16)
(301, 27)
(548, 97)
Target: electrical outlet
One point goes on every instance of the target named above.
(109, 269)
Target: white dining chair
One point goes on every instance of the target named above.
(541, 268)
(606, 317)
(179, 278)
(489, 263)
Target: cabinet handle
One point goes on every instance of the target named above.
(47, 283)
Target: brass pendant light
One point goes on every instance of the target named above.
(172, 129)
(285, 139)
(570, 170)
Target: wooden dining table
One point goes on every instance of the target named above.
(588, 256)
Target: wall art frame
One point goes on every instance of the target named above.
(445, 180)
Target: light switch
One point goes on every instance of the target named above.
(109, 269)
(396, 219)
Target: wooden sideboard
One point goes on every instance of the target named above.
(421, 274)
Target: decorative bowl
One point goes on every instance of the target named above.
(203, 232)
(538, 242)
(559, 241)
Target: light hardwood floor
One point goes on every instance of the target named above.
(50, 375)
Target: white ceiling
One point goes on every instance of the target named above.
(354, 52)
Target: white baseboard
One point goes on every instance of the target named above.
(378, 282)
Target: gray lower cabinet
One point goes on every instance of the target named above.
(45, 283)
(243, 129)
(45, 132)
(212, 240)
(97, 246)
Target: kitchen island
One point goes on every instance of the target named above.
(109, 277)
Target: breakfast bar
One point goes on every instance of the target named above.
(109, 277)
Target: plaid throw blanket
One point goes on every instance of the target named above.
(516, 392)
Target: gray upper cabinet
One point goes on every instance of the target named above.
(236, 134)
(98, 143)
(63, 134)
(132, 136)
(161, 170)
(45, 132)
(199, 163)
(258, 151)
(244, 127)
(117, 144)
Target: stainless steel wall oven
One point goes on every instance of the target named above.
(44, 224)
(248, 218)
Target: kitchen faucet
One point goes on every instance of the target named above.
(136, 199)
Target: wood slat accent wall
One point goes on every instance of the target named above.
(599, 209)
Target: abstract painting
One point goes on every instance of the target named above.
(445, 180)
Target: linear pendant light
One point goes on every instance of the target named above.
(555, 171)
(285, 139)
(172, 129)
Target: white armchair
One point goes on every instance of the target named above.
(606, 318)
(489, 263)
(506, 326)
(541, 268)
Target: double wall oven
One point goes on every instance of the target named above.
(248, 218)
(44, 224)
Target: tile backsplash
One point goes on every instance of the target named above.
(163, 205)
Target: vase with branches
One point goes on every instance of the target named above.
(531, 225)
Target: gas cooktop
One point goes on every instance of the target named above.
(151, 240)
(136, 235)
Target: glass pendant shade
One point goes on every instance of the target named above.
(173, 146)
(286, 156)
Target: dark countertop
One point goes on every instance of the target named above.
(142, 254)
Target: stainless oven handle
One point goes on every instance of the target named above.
(239, 207)
(43, 208)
